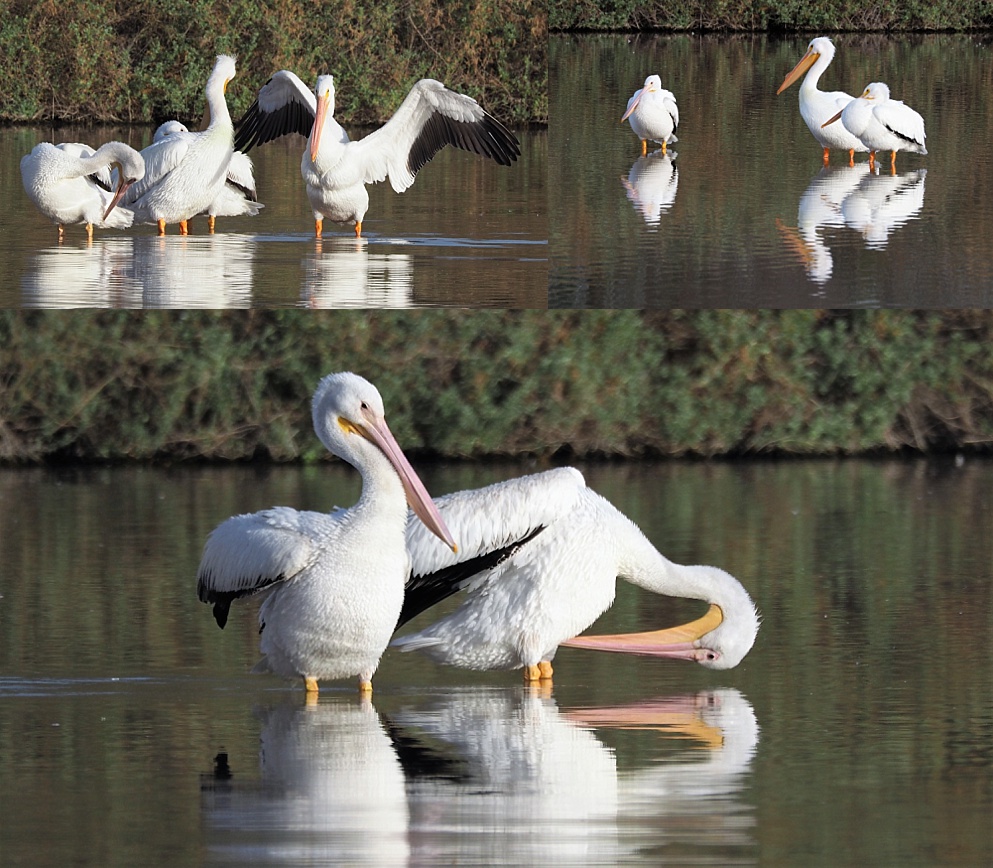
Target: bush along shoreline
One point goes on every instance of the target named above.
(563, 385)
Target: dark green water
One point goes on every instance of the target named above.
(857, 731)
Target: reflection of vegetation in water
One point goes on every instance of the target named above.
(148, 61)
(752, 15)
(116, 386)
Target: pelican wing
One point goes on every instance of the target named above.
(431, 117)
(241, 175)
(284, 105)
(490, 525)
(669, 102)
(248, 553)
(160, 158)
(901, 120)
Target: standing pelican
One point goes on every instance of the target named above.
(816, 106)
(562, 547)
(882, 124)
(336, 170)
(237, 198)
(334, 582)
(70, 183)
(653, 114)
(194, 166)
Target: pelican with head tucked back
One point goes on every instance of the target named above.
(653, 114)
(71, 183)
(334, 582)
(539, 558)
(193, 168)
(336, 169)
(882, 124)
(237, 198)
(816, 106)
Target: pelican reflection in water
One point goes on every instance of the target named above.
(487, 776)
(343, 273)
(852, 197)
(651, 185)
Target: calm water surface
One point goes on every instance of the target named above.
(743, 214)
(857, 732)
(468, 233)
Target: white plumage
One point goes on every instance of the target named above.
(816, 106)
(883, 124)
(653, 114)
(335, 582)
(238, 196)
(191, 169)
(335, 169)
(71, 183)
(563, 548)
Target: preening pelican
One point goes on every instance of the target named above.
(193, 168)
(334, 582)
(237, 198)
(70, 183)
(816, 106)
(653, 114)
(336, 170)
(882, 124)
(561, 548)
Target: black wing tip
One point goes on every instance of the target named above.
(486, 137)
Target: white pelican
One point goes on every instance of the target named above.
(653, 114)
(194, 167)
(70, 183)
(816, 106)
(334, 582)
(237, 198)
(882, 124)
(539, 557)
(336, 170)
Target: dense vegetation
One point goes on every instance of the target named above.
(785, 15)
(148, 60)
(116, 386)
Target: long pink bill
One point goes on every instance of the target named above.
(121, 190)
(634, 104)
(804, 64)
(676, 642)
(315, 134)
(835, 118)
(378, 432)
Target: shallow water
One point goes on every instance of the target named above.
(467, 233)
(741, 213)
(857, 731)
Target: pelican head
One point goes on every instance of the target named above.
(653, 84)
(130, 167)
(877, 91)
(819, 47)
(224, 71)
(324, 91)
(718, 640)
(169, 128)
(350, 421)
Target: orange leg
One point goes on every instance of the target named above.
(892, 162)
(62, 233)
(663, 148)
(184, 228)
(827, 156)
(851, 157)
(89, 232)
(210, 223)
(872, 160)
(358, 228)
(532, 673)
(545, 668)
(310, 685)
(365, 687)
(161, 227)
(318, 227)
(644, 147)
